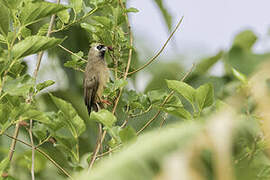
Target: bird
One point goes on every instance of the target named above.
(96, 75)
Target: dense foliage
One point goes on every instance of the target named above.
(187, 124)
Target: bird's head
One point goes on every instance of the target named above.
(98, 50)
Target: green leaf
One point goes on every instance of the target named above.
(33, 12)
(64, 16)
(205, 96)
(157, 95)
(166, 15)
(132, 9)
(178, 111)
(103, 20)
(245, 39)
(105, 117)
(4, 165)
(182, 88)
(76, 5)
(4, 20)
(25, 32)
(33, 44)
(37, 115)
(44, 85)
(71, 118)
(19, 86)
(43, 29)
(204, 65)
(127, 134)
(241, 77)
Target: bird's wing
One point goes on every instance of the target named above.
(90, 90)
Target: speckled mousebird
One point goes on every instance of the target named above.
(96, 76)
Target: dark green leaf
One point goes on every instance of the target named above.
(44, 85)
(104, 116)
(36, 115)
(33, 44)
(25, 32)
(33, 12)
(205, 96)
(4, 19)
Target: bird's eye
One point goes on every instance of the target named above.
(99, 47)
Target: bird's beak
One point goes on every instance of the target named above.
(104, 49)
(110, 48)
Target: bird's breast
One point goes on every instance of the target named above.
(103, 79)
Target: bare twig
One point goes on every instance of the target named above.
(13, 144)
(160, 51)
(33, 150)
(163, 103)
(120, 92)
(43, 153)
(71, 52)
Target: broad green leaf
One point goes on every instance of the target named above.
(245, 39)
(182, 88)
(44, 85)
(76, 63)
(166, 15)
(103, 20)
(241, 77)
(74, 122)
(76, 5)
(132, 9)
(33, 44)
(4, 20)
(105, 117)
(127, 134)
(33, 12)
(64, 16)
(40, 131)
(205, 96)
(43, 29)
(19, 86)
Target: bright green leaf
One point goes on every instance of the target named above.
(180, 112)
(104, 116)
(33, 44)
(33, 12)
(245, 39)
(64, 16)
(205, 96)
(25, 32)
(44, 85)
(132, 9)
(36, 115)
(76, 5)
(182, 88)
(103, 20)
(4, 20)
(4, 164)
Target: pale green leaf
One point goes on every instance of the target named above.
(127, 134)
(77, 5)
(64, 16)
(240, 76)
(44, 85)
(4, 20)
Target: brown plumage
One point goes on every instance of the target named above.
(96, 76)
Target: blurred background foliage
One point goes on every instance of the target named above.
(198, 141)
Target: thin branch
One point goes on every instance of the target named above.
(160, 51)
(71, 52)
(33, 150)
(164, 102)
(75, 22)
(43, 153)
(13, 144)
(120, 92)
